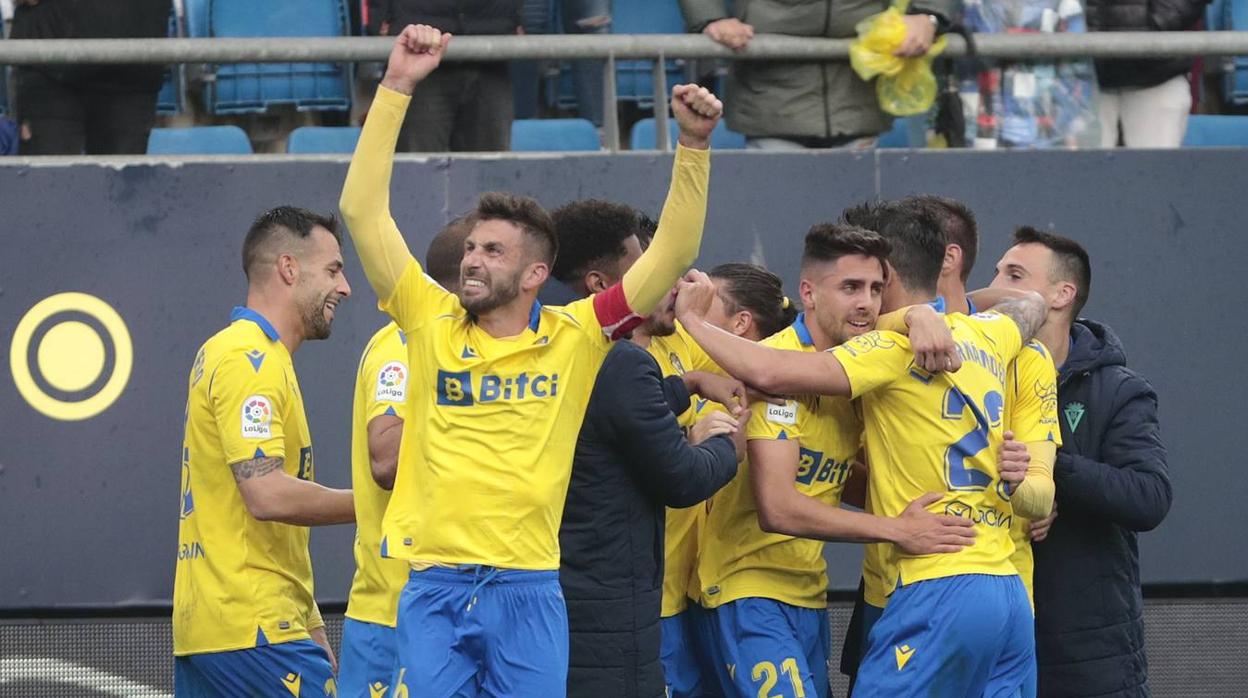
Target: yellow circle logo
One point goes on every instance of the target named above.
(71, 356)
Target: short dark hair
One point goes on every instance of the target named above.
(958, 223)
(591, 234)
(446, 251)
(865, 215)
(828, 242)
(1070, 261)
(754, 288)
(290, 221)
(525, 213)
(918, 244)
(646, 228)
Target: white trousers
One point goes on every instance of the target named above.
(1151, 117)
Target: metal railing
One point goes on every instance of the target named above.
(612, 47)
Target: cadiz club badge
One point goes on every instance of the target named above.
(71, 356)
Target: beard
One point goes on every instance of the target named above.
(498, 295)
(659, 325)
(315, 324)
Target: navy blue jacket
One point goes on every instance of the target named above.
(632, 460)
(1112, 483)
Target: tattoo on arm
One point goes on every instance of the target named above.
(246, 470)
(1028, 313)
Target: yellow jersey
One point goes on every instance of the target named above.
(1031, 407)
(939, 433)
(240, 582)
(492, 424)
(677, 353)
(380, 389)
(737, 558)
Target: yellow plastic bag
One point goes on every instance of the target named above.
(905, 86)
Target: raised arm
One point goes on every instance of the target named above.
(365, 202)
(676, 242)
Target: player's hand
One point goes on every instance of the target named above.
(727, 391)
(920, 33)
(713, 424)
(730, 32)
(931, 340)
(1040, 529)
(925, 533)
(697, 111)
(319, 637)
(754, 395)
(1012, 461)
(417, 51)
(694, 294)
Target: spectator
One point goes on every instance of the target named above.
(461, 106)
(97, 109)
(1146, 101)
(588, 17)
(788, 105)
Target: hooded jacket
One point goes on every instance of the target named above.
(1112, 483)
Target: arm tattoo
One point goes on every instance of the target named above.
(256, 467)
(1028, 313)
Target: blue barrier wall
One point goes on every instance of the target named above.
(88, 508)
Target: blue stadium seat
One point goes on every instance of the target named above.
(199, 140)
(634, 80)
(550, 135)
(323, 139)
(195, 13)
(1213, 131)
(1235, 80)
(907, 132)
(169, 100)
(250, 88)
(641, 137)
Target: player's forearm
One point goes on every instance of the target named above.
(383, 453)
(289, 500)
(679, 236)
(774, 371)
(1033, 499)
(805, 517)
(365, 202)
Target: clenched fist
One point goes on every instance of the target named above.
(697, 111)
(418, 50)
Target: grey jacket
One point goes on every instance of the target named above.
(810, 100)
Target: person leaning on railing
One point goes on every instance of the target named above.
(789, 104)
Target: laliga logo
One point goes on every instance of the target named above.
(71, 356)
(392, 376)
(257, 411)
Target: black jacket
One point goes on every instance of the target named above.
(455, 16)
(1112, 482)
(1142, 16)
(632, 460)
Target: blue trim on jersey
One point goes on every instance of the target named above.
(938, 304)
(402, 337)
(390, 412)
(535, 315)
(803, 332)
(244, 313)
(970, 306)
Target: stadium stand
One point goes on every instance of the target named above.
(308, 140)
(251, 88)
(199, 140)
(1215, 131)
(554, 135)
(642, 136)
(195, 13)
(1233, 17)
(169, 100)
(903, 134)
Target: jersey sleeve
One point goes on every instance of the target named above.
(874, 360)
(605, 316)
(417, 298)
(249, 396)
(1001, 331)
(770, 422)
(1033, 416)
(385, 375)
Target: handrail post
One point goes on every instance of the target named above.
(659, 78)
(610, 109)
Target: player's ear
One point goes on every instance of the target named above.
(741, 322)
(288, 268)
(806, 291)
(534, 276)
(1065, 297)
(595, 282)
(952, 261)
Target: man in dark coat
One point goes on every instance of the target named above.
(1112, 483)
(632, 460)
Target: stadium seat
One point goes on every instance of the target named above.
(169, 100)
(1213, 131)
(551, 135)
(902, 134)
(250, 88)
(634, 80)
(323, 139)
(641, 137)
(1235, 79)
(199, 140)
(196, 14)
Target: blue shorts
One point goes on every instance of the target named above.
(870, 617)
(967, 635)
(366, 662)
(299, 668)
(482, 631)
(688, 670)
(766, 647)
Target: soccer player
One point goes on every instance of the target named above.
(244, 618)
(958, 622)
(497, 394)
(368, 652)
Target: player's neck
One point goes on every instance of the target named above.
(640, 337)
(906, 298)
(283, 318)
(954, 293)
(1054, 334)
(508, 320)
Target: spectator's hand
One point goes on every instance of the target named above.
(1012, 461)
(925, 533)
(920, 33)
(318, 636)
(713, 424)
(696, 111)
(694, 294)
(931, 340)
(730, 32)
(725, 390)
(1040, 529)
(417, 52)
